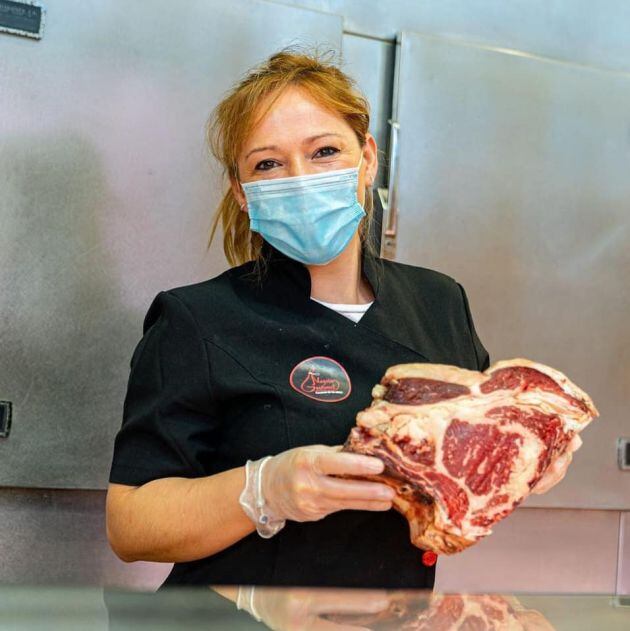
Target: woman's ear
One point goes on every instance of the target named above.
(237, 191)
(370, 155)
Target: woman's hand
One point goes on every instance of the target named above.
(297, 484)
(558, 468)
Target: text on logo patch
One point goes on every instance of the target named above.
(321, 378)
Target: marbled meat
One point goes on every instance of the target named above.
(463, 448)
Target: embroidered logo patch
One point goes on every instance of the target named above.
(321, 378)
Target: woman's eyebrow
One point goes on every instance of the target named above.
(326, 133)
(306, 140)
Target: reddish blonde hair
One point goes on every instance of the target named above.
(233, 118)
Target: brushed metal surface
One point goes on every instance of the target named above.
(623, 558)
(57, 537)
(106, 198)
(199, 609)
(537, 550)
(578, 31)
(514, 180)
(371, 63)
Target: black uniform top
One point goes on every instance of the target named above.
(220, 377)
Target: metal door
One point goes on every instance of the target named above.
(514, 178)
(106, 198)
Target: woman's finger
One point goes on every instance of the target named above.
(355, 489)
(335, 463)
(363, 505)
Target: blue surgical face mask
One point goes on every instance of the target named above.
(310, 218)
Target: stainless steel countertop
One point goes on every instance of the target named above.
(68, 608)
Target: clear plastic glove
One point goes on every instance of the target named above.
(558, 468)
(297, 484)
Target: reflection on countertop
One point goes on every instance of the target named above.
(293, 608)
(343, 610)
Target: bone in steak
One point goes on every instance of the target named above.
(463, 448)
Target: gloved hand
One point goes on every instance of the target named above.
(297, 483)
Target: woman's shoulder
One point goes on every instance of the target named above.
(200, 301)
(444, 298)
(199, 292)
(418, 277)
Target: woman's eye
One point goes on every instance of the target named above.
(324, 152)
(330, 151)
(260, 166)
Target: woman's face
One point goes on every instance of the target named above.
(298, 137)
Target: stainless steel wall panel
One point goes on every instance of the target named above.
(578, 31)
(514, 180)
(106, 198)
(623, 557)
(57, 537)
(538, 551)
(371, 63)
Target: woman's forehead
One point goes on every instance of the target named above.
(294, 115)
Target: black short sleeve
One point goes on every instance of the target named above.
(483, 359)
(168, 414)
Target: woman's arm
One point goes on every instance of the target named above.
(180, 519)
(176, 519)
(161, 506)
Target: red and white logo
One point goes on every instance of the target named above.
(321, 378)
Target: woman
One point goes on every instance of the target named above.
(244, 386)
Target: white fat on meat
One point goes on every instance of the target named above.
(421, 415)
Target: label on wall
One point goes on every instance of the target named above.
(22, 18)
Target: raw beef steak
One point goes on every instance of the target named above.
(463, 448)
